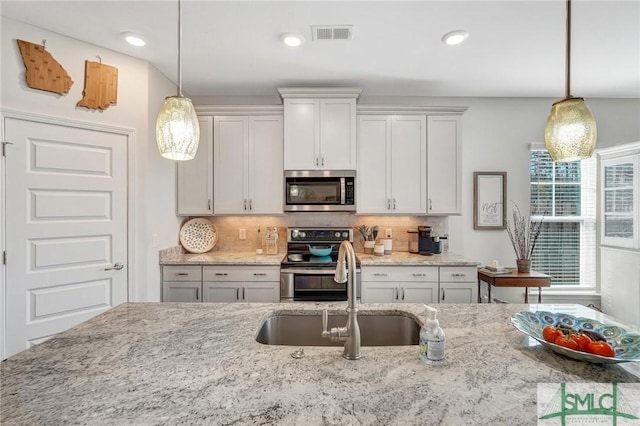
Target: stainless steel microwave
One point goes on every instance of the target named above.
(319, 190)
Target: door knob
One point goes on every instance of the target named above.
(117, 266)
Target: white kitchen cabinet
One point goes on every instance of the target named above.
(392, 164)
(444, 173)
(181, 283)
(241, 284)
(620, 284)
(248, 176)
(620, 196)
(619, 193)
(319, 128)
(402, 284)
(458, 284)
(194, 178)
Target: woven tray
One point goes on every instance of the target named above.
(198, 235)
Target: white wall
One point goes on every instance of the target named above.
(141, 91)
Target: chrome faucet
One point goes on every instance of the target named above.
(350, 333)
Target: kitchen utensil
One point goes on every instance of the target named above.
(625, 344)
(319, 250)
(375, 232)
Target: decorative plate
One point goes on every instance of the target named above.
(625, 344)
(198, 235)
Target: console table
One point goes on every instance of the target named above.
(514, 279)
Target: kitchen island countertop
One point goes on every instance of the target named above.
(172, 363)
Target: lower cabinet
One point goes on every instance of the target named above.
(241, 284)
(419, 284)
(220, 284)
(458, 284)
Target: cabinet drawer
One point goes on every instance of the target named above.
(458, 273)
(240, 273)
(182, 273)
(399, 273)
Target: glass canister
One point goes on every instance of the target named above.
(271, 239)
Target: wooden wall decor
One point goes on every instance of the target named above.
(100, 86)
(43, 72)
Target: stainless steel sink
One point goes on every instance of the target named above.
(281, 328)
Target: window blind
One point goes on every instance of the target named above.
(564, 196)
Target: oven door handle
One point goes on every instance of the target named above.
(311, 271)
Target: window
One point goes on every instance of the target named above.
(564, 196)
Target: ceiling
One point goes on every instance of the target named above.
(515, 48)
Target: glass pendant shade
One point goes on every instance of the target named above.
(177, 129)
(570, 133)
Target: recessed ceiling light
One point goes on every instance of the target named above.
(133, 39)
(292, 39)
(455, 37)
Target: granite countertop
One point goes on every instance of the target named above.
(172, 363)
(221, 258)
(406, 258)
(177, 257)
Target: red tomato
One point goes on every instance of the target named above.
(567, 342)
(601, 348)
(550, 333)
(582, 340)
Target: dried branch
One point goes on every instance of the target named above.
(523, 233)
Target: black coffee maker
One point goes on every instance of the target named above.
(427, 244)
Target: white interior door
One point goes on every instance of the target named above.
(66, 205)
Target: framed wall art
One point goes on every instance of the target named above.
(489, 205)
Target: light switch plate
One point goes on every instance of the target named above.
(388, 233)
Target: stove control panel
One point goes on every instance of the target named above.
(328, 235)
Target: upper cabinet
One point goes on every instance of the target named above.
(319, 128)
(444, 186)
(247, 155)
(620, 196)
(392, 158)
(194, 194)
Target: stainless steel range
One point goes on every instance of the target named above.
(307, 276)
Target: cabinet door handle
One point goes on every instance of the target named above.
(209, 204)
(388, 203)
(430, 206)
(245, 203)
(250, 205)
(259, 274)
(396, 293)
(458, 275)
(322, 161)
(197, 294)
(182, 274)
(379, 274)
(222, 274)
(237, 294)
(402, 293)
(394, 203)
(317, 162)
(443, 294)
(415, 274)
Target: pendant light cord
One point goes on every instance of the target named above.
(179, 47)
(568, 53)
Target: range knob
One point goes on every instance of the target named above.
(302, 234)
(345, 235)
(337, 234)
(294, 233)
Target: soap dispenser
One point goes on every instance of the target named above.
(431, 338)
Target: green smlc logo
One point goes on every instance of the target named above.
(564, 404)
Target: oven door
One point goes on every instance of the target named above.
(313, 285)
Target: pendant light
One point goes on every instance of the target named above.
(177, 128)
(570, 133)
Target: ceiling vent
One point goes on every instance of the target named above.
(331, 32)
